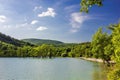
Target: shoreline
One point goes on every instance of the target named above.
(96, 60)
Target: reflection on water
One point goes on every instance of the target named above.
(100, 72)
(96, 73)
(50, 69)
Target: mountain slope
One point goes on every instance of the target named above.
(42, 41)
(7, 39)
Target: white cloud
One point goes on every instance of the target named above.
(2, 18)
(77, 20)
(41, 28)
(49, 12)
(37, 7)
(34, 22)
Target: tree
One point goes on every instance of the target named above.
(45, 51)
(108, 51)
(86, 4)
(116, 42)
(99, 43)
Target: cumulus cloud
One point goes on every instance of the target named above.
(2, 18)
(77, 19)
(49, 12)
(41, 28)
(37, 8)
(34, 22)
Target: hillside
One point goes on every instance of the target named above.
(7, 39)
(42, 41)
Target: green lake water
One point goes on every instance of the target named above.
(50, 69)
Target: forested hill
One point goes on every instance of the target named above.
(7, 39)
(42, 41)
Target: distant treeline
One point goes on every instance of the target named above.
(45, 50)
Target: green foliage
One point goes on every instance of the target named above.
(100, 42)
(45, 50)
(116, 42)
(109, 52)
(64, 54)
(112, 26)
(114, 74)
(7, 49)
(86, 4)
(10, 40)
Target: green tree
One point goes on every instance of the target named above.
(45, 50)
(99, 43)
(109, 52)
(116, 42)
(114, 73)
(86, 4)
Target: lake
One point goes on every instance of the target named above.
(50, 69)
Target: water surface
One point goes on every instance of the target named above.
(49, 69)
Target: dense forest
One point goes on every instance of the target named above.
(8, 48)
(10, 40)
(103, 45)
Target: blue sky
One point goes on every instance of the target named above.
(56, 20)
